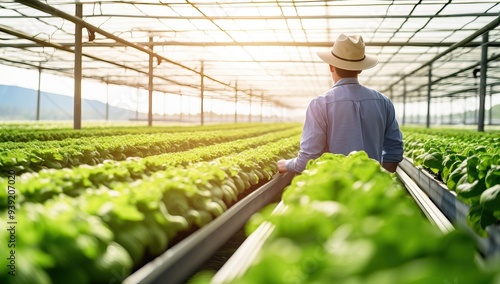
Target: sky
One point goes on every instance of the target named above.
(122, 96)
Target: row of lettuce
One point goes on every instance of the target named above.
(34, 156)
(97, 224)
(345, 220)
(23, 132)
(468, 162)
(39, 186)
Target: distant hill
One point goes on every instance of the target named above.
(18, 103)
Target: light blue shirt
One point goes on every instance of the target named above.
(349, 117)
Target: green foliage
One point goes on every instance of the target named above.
(346, 220)
(490, 198)
(34, 156)
(95, 224)
(468, 163)
(48, 183)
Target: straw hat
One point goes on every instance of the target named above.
(348, 52)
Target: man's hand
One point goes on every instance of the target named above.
(282, 166)
(390, 167)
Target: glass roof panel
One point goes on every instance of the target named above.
(267, 46)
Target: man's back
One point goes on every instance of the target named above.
(349, 117)
(357, 118)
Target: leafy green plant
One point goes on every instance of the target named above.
(467, 162)
(346, 220)
(138, 217)
(48, 183)
(35, 156)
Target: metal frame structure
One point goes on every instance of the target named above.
(258, 50)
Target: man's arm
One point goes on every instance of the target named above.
(313, 140)
(392, 152)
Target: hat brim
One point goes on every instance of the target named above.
(368, 62)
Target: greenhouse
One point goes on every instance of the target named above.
(143, 142)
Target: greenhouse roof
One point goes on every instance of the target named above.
(261, 48)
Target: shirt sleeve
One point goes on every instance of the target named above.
(313, 140)
(393, 139)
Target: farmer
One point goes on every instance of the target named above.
(349, 117)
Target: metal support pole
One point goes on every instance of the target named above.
(250, 107)
(475, 118)
(451, 111)
(38, 93)
(150, 85)
(261, 105)
(482, 81)
(490, 122)
(211, 100)
(429, 88)
(182, 111)
(77, 114)
(236, 102)
(201, 95)
(417, 110)
(107, 100)
(404, 102)
(137, 105)
(465, 110)
(165, 106)
(442, 112)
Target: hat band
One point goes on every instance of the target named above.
(345, 59)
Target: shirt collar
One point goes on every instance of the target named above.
(344, 81)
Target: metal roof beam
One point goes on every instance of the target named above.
(472, 91)
(493, 24)
(67, 49)
(58, 13)
(454, 74)
(289, 17)
(264, 43)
